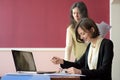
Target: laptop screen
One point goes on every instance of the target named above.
(23, 61)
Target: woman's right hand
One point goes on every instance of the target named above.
(57, 60)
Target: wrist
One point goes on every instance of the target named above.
(62, 61)
(80, 72)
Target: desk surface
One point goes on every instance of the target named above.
(39, 77)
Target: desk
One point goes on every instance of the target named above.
(39, 77)
(65, 78)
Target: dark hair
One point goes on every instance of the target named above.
(83, 11)
(86, 24)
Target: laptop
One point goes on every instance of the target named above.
(24, 62)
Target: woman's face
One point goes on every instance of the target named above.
(76, 14)
(85, 35)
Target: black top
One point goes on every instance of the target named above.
(104, 65)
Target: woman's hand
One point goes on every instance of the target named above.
(57, 60)
(73, 70)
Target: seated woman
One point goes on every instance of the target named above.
(96, 62)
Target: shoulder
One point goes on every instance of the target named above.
(70, 28)
(107, 42)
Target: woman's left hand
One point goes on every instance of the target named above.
(73, 70)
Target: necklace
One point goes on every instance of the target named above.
(94, 44)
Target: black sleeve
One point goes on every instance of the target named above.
(78, 64)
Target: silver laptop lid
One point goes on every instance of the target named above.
(24, 61)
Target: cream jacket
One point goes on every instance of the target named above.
(72, 46)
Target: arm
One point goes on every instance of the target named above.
(78, 64)
(69, 43)
(74, 67)
(71, 67)
(67, 64)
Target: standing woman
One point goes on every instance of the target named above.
(78, 11)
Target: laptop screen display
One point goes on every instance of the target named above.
(23, 60)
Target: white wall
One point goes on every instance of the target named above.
(115, 36)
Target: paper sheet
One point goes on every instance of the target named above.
(63, 74)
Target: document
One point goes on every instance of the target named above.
(104, 28)
(63, 74)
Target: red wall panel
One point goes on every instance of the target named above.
(41, 23)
